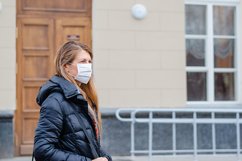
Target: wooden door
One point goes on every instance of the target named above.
(42, 26)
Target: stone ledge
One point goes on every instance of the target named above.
(6, 135)
(6, 114)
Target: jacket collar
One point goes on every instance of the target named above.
(69, 89)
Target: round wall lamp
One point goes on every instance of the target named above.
(139, 11)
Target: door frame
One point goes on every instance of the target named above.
(18, 116)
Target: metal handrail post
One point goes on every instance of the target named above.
(238, 135)
(173, 133)
(195, 135)
(213, 134)
(132, 134)
(150, 135)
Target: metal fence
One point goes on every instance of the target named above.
(147, 116)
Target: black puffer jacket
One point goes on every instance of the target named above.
(59, 135)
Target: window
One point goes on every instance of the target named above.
(211, 52)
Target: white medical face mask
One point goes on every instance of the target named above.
(84, 72)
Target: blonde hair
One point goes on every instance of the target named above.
(66, 55)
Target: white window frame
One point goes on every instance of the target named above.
(209, 60)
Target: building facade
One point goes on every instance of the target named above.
(183, 54)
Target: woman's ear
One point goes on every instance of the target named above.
(66, 67)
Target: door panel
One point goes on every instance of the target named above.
(39, 67)
(28, 125)
(55, 5)
(77, 29)
(38, 32)
(35, 55)
(28, 92)
(73, 7)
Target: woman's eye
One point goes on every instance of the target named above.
(86, 61)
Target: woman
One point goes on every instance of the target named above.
(69, 126)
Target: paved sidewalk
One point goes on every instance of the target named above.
(18, 159)
(29, 159)
(158, 158)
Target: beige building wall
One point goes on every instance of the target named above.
(8, 55)
(139, 63)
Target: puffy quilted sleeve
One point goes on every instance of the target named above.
(47, 133)
(104, 154)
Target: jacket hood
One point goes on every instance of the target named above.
(59, 84)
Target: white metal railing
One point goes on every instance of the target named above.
(194, 120)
